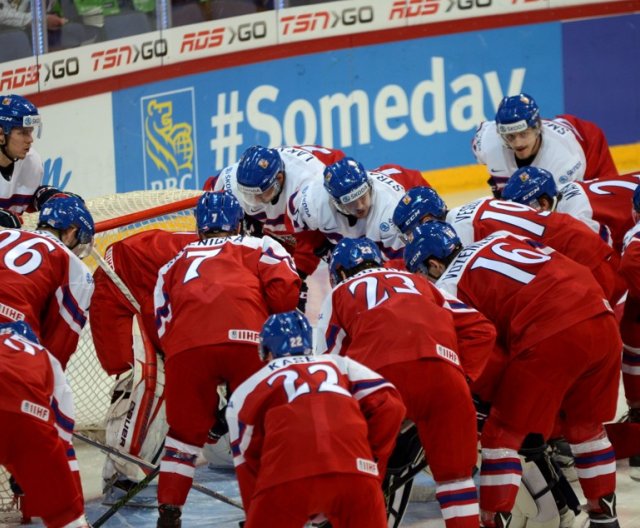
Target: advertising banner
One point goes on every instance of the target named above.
(602, 74)
(415, 103)
(76, 146)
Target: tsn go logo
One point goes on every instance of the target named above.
(62, 68)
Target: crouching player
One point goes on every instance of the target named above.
(311, 435)
(36, 405)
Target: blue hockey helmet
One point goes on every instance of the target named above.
(286, 334)
(16, 111)
(516, 113)
(257, 170)
(636, 199)
(417, 203)
(218, 211)
(434, 239)
(528, 184)
(21, 328)
(69, 211)
(346, 181)
(350, 253)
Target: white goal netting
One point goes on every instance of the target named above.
(117, 216)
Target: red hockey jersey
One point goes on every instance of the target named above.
(222, 290)
(136, 260)
(528, 290)
(304, 416)
(381, 317)
(47, 286)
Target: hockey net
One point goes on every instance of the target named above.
(117, 216)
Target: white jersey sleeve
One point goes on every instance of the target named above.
(16, 194)
(62, 401)
(575, 202)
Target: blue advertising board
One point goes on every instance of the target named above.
(602, 74)
(415, 102)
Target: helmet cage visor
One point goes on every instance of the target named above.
(28, 121)
(345, 203)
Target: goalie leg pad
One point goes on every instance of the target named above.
(129, 418)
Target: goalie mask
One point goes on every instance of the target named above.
(285, 334)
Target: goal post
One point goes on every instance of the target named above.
(116, 217)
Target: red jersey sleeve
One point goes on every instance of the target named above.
(278, 276)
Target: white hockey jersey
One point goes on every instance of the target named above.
(16, 195)
(300, 165)
(313, 209)
(560, 153)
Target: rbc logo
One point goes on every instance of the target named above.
(168, 136)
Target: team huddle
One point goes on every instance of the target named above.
(497, 327)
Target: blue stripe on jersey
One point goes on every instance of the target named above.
(490, 466)
(63, 421)
(458, 305)
(331, 336)
(368, 384)
(606, 456)
(462, 496)
(16, 199)
(69, 302)
(275, 221)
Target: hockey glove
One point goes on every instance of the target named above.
(482, 412)
(304, 293)
(220, 427)
(251, 226)
(10, 220)
(324, 251)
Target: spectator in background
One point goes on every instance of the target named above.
(17, 14)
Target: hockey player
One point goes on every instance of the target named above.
(572, 149)
(311, 435)
(21, 168)
(408, 178)
(36, 417)
(350, 202)
(263, 181)
(630, 324)
(136, 260)
(44, 281)
(401, 326)
(601, 204)
(513, 281)
(484, 216)
(135, 421)
(227, 284)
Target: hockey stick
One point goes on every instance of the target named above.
(133, 491)
(116, 279)
(150, 467)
